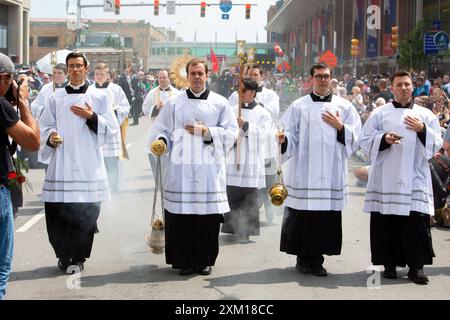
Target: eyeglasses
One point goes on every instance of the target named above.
(322, 77)
(76, 66)
(6, 77)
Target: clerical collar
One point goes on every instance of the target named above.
(61, 85)
(318, 98)
(102, 86)
(71, 89)
(166, 89)
(249, 105)
(201, 96)
(260, 89)
(398, 105)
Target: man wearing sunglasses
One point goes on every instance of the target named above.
(25, 132)
(321, 132)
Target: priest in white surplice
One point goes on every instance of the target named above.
(112, 149)
(270, 101)
(75, 182)
(321, 133)
(399, 139)
(244, 183)
(199, 127)
(153, 103)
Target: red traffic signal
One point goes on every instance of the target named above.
(116, 7)
(202, 9)
(248, 6)
(156, 7)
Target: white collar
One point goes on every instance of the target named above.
(322, 97)
(197, 95)
(77, 87)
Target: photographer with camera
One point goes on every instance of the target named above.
(25, 132)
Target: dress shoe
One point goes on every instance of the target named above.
(389, 273)
(319, 271)
(417, 276)
(63, 264)
(186, 271)
(204, 271)
(302, 268)
(134, 124)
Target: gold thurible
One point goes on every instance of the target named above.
(278, 191)
(158, 147)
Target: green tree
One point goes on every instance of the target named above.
(112, 42)
(412, 53)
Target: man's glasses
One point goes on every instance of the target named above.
(76, 66)
(322, 77)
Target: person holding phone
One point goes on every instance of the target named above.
(399, 139)
(25, 132)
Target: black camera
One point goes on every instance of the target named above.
(9, 95)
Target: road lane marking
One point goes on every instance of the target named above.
(31, 222)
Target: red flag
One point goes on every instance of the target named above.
(214, 62)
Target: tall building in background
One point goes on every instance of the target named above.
(14, 29)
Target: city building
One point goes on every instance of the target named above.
(129, 40)
(306, 29)
(14, 29)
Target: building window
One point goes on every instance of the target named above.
(128, 42)
(48, 42)
(31, 41)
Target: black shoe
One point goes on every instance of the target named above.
(63, 264)
(134, 124)
(75, 267)
(302, 268)
(187, 271)
(389, 273)
(417, 276)
(319, 271)
(204, 271)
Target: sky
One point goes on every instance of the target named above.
(186, 22)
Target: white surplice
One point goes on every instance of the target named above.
(76, 171)
(196, 177)
(316, 175)
(121, 107)
(399, 177)
(251, 173)
(269, 99)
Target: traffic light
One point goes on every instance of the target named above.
(156, 7)
(117, 7)
(202, 9)
(355, 48)
(248, 6)
(394, 37)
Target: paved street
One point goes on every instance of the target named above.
(122, 267)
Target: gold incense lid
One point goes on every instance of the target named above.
(158, 147)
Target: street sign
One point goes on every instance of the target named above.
(441, 40)
(225, 5)
(170, 9)
(428, 43)
(108, 6)
(341, 59)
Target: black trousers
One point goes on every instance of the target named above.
(71, 228)
(401, 240)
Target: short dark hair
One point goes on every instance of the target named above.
(255, 66)
(74, 55)
(319, 65)
(194, 62)
(401, 73)
(61, 66)
(249, 84)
